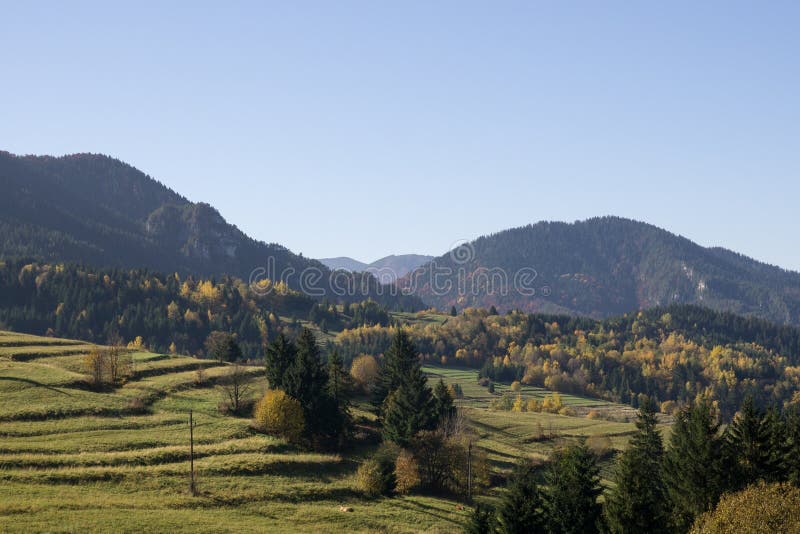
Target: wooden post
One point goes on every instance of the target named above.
(192, 488)
(469, 472)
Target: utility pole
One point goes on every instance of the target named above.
(192, 488)
(469, 472)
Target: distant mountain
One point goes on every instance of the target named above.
(387, 269)
(344, 263)
(97, 210)
(603, 267)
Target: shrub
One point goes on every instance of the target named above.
(406, 472)
(601, 446)
(757, 508)
(516, 386)
(279, 414)
(376, 476)
(364, 371)
(669, 407)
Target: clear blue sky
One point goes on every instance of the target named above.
(368, 128)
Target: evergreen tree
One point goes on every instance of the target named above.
(398, 361)
(638, 503)
(279, 356)
(777, 443)
(749, 439)
(493, 310)
(693, 465)
(307, 381)
(443, 402)
(792, 452)
(481, 520)
(453, 311)
(520, 511)
(572, 487)
(339, 381)
(409, 409)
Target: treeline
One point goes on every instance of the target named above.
(657, 489)
(672, 355)
(170, 312)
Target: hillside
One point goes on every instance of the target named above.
(97, 210)
(670, 354)
(603, 267)
(74, 459)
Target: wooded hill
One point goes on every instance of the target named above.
(608, 266)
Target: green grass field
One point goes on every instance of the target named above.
(75, 460)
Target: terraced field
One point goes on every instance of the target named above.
(73, 460)
(76, 460)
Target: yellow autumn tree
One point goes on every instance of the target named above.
(756, 509)
(279, 414)
(364, 370)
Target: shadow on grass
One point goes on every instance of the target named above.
(34, 383)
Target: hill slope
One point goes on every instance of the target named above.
(602, 267)
(98, 210)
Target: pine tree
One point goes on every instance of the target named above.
(307, 381)
(792, 452)
(339, 381)
(400, 358)
(638, 502)
(572, 487)
(520, 511)
(453, 311)
(443, 402)
(409, 409)
(777, 443)
(279, 356)
(693, 465)
(750, 438)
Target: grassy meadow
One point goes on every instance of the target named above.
(75, 460)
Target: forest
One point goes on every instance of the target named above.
(673, 355)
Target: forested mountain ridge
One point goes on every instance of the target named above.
(94, 209)
(609, 266)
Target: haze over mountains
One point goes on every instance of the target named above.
(98, 210)
(387, 269)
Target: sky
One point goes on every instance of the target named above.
(369, 128)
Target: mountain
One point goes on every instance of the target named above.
(344, 263)
(603, 267)
(387, 269)
(97, 210)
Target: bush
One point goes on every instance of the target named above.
(601, 446)
(279, 414)
(406, 472)
(516, 386)
(757, 508)
(376, 476)
(364, 371)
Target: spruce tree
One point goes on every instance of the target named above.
(279, 356)
(572, 485)
(443, 402)
(693, 465)
(400, 358)
(409, 409)
(638, 502)
(307, 381)
(520, 511)
(748, 439)
(791, 457)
